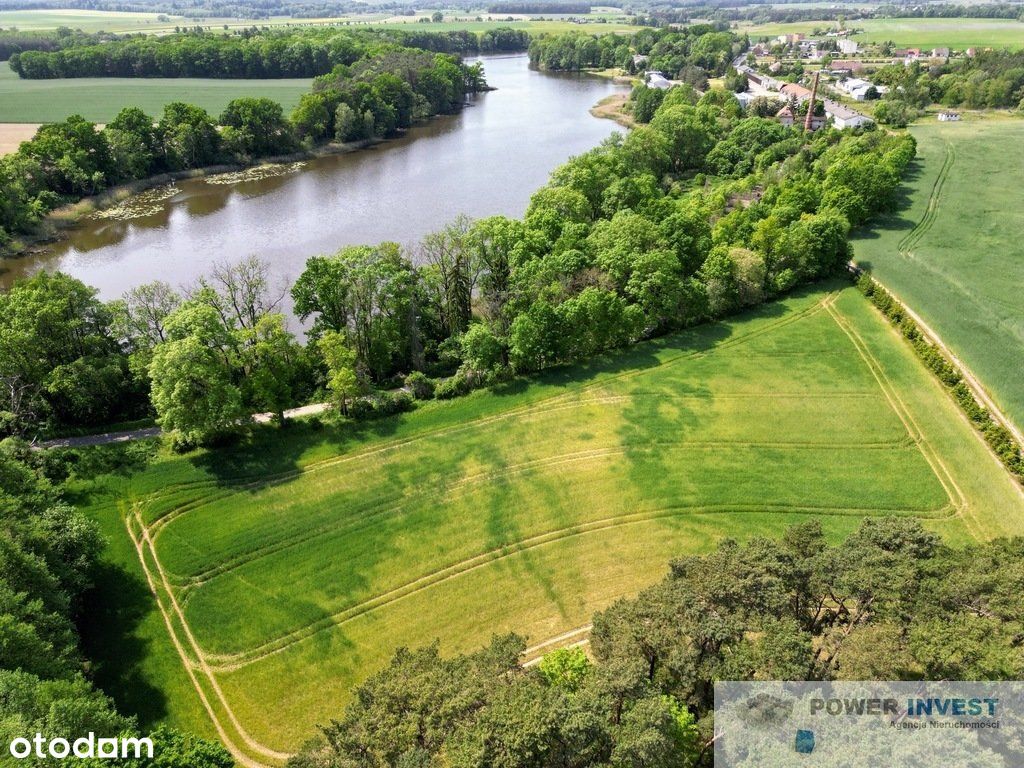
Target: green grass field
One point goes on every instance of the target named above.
(100, 98)
(289, 569)
(923, 33)
(954, 252)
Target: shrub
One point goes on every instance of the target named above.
(420, 385)
(462, 383)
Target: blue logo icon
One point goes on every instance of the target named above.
(804, 742)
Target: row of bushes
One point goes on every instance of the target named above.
(996, 435)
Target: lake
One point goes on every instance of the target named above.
(484, 161)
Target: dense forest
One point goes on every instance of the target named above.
(49, 557)
(690, 54)
(696, 215)
(891, 602)
(268, 53)
(373, 97)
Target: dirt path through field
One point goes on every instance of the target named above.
(12, 134)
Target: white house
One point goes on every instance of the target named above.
(744, 98)
(844, 117)
(858, 89)
(849, 47)
(659, 81)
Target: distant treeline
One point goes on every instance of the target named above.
(260, 54)
(15, 41)
(988, 80)
(951, 11)
(374, 97)
(706, 48)
(538, 7)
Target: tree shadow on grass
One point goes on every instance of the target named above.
(110, 618)
(269, 455)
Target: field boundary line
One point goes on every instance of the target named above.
(939, 467)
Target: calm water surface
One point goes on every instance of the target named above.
(487, 160)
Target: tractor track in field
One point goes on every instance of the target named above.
(232, 661)
(913, 237)
(360, 518)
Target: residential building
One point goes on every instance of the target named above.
(659, 81)
(798, 92)
(844, 117)
(849, 47)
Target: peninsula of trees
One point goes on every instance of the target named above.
(373, 96)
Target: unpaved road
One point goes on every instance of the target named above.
(12, 134)
(141, 434)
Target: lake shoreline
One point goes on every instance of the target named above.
(55, 225)
(484, 161)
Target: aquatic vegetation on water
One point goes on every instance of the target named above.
(145, 203)
(256, 173)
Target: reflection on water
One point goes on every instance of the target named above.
(486, 160)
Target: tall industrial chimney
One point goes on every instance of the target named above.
(810, 105)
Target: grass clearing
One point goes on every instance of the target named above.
(100, 98)
(291, 567)
(954, 253)
(956, 33)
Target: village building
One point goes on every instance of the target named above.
(785, 116)
(795, 91)
(658, 80)
(848, 65)
(849, 47)
(844, 117)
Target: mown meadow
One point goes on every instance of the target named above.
(953, 251)
(290, 567)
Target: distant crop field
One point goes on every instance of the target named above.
(100, 99)
(600, 21)
(922, 33)
(954, 251)
(89, 21)
(290, 568)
